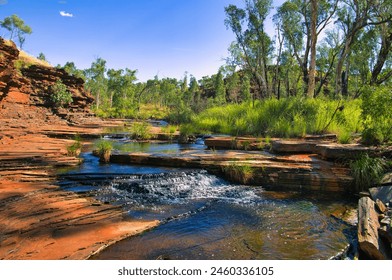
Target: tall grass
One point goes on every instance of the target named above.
(104, 149)
(141, 130)
(367, 171)
(290, 117)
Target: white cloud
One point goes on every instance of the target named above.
(64, 14)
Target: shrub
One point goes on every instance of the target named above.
(75, 149)
(104, 149)
(367, 171)
(60, 95)
(238, 173)
(141, 130)
(377, 115)
(345, 137)
(289, 117)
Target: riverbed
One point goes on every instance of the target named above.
(202, 216)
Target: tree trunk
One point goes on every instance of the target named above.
(382, 56)
(313, 43)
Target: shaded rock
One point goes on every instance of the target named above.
(386, 233)
(285, 172)
(386, 221)
(368, 225)
(380, 206)
(364, 194)
(383, 193)
(340, 151)
(387, 179)
(294, 146)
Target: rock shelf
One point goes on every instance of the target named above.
(37, 219)
(289, 172)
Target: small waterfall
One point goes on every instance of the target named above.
(179, 188)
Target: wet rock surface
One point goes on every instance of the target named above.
(374, 225)
(37, 219)
(289, 172)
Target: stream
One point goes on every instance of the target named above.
(205, 217)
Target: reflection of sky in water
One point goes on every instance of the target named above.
(204, 217)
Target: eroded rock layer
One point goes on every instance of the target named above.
(37, 219)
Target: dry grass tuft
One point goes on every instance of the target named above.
(31, 60)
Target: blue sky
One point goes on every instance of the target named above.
(156, 37)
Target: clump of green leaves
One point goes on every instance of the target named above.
(377, 115)
(367, 171)
(16, 27)
(74, 149)
(170, 130)
(287, 117)
(104, 149)
(141, 130)
(345, 137)
(238, 173)
(60, 95)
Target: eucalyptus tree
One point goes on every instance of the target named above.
(71, 69)
(353, 17)
(256, 46)
(233, 87)
(17, 28)
(382, 70)
(301, 23)
(96, 81)
(194, 97)
(114, 85)
(123, 82)
(245, 89)
(327, 53)
(220, 89)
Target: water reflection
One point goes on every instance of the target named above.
(205, 217)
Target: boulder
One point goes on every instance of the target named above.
(383, 193)
(339, 151)
(368, 225)
(380, 206)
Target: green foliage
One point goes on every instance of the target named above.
(74, 149)
(20, 64)
(345, 137)
(238, 173)
(290, 117)
(170, 129)
(104, 149)
(16, 27)
(367, 171)
(60, 95)
(377, 115)
(42, 57)
(141, 130)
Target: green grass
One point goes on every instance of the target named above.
(104, 149)
(290, 117)
(367, 171)
(238, 173)
(141, 130)
(74, 149)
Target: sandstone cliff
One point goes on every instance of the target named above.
(25, 89)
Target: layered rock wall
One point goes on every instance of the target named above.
(24, 89)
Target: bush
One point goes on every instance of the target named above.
(238, 173)
(377, 115)
(141, 130)
(75, 149)
(367, 171)
(104, 149)
(290, 117)
(60, 95)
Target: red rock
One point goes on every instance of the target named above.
(368, 226)
(380, 206)
(37, 219)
